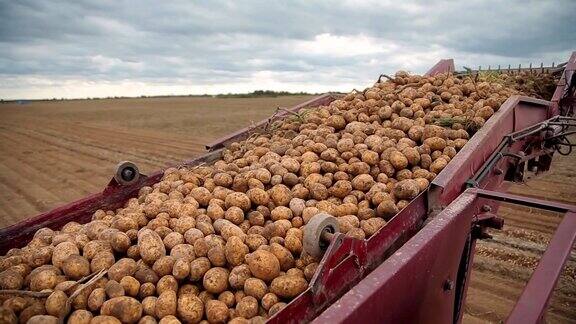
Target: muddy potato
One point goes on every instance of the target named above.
(372, 225)
(406, 189)
(149, 305)
(181, 269)
(438, 165)
(198, 268)
(80, 316)
(126, 309)
(215, 280)
(46, 279)
(216, 311)
(7, 316)
(288, 286)
(15, 304)
(276, 308)
(164, 265)
(235, 251)
(435, 143)
(165, 283)
(10, 279)
(280, 195)
(283, 255)
(43, 319)
(172, 239)
(263, 265)
(95, 300)
(247, 307)
(120, 269)
(56, 304)
(398, 160)
(131, 286)
(62, 251)
(217, 256)
(151, 246)
(255, 287)
(92, 248)
(114, 289)
(76, 267)
(190, 308)
(105, 319)
(166, 304)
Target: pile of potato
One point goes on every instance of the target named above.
(223, 243)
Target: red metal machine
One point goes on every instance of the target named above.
(416, 268)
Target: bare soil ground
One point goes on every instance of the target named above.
(503, 265)
(54, 152)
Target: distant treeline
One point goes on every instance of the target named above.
(254, 94)
(263, 93)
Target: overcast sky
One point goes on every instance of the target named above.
(104, 48)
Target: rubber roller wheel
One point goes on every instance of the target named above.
(318, 224)
(126, 173)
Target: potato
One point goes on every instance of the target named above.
(80, 316)
(102, 260)
(150, 245)
(114, 289)
(76, 267)
(36, 308)
(280, 195)
(283, 255)
(363, 182)
(190, 308)
(438, 165)
(263, 265)
(126, 309)
(181, 269)
(149, 305)
(235, 251)
(62, 251)
(215, 280)
(15, 304)
(10, 279)
(255, 287)
(198, 268)
(167, 282)
(43, 319)
(173, 239)
(164, 265)
(435, 143)
(120, 269)
(276, 308)
(372, 225)
(247, 307)
(406, 189)
(105, 319)
(169, 319)
(216, 311)
(288, 286)
(56, 304)
(166, 304)
(131, 286)
(46, 279)
(146, 289)
(95, 300)
(7, 316)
